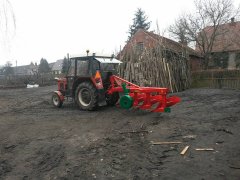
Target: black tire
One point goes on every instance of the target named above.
(86, 96)
(56, 100)
(112, 99)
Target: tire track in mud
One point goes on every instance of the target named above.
(122, 157)
(5, 167)
(22, 104)
(117, 154)
(38, 163)
(47, 158)
(19, 100)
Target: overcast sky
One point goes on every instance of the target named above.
(52, 28)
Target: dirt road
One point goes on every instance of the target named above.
(38, 141)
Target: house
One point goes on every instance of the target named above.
(30, 69)
(146, 40)
(51, 65)
(155, 61)
(226, 46)
(57, 67)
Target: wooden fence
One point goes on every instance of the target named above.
(216, 79)
(156, 69)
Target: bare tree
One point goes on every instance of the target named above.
(8, 69)
(203, 27)
(7, 22)
(178, 31)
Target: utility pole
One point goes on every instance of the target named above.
(16, 68)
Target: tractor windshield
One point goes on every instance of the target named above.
(109, 67)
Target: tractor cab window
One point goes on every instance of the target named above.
(82, 68)
(71, 70)
(95, 65)
(109, 67)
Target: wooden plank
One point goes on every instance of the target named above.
(165, 142)
(184, 150)
(204, 149)
(170, 78)
(136, 132)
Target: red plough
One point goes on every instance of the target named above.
(148, 98)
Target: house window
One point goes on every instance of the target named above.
(237, 60)
(139, 47)
(219, 60)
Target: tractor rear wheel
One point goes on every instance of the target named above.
(56, 100)
(86, 96)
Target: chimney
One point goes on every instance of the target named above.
(232, 20)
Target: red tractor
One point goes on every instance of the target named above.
(91, 81)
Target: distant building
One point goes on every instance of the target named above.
(143, 39)
(51, 65)
(57, 67)
(26, 69)
(226, 47)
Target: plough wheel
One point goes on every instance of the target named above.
(126, 101)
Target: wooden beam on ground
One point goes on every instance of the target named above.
(141, 131)
(184, 150)
(161, 143)
(204, 149)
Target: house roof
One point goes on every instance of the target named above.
(25, 69)
(173, 45)
(228, 38)
(167, 43)
(51, 65)
(57, 66)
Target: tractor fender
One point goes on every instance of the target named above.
(60, 95)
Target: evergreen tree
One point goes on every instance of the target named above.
(139, 22)
(65, 65)
(43, 66)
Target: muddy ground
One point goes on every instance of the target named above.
(39, 141)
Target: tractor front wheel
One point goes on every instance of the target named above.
(86, 96)
(56, 100)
